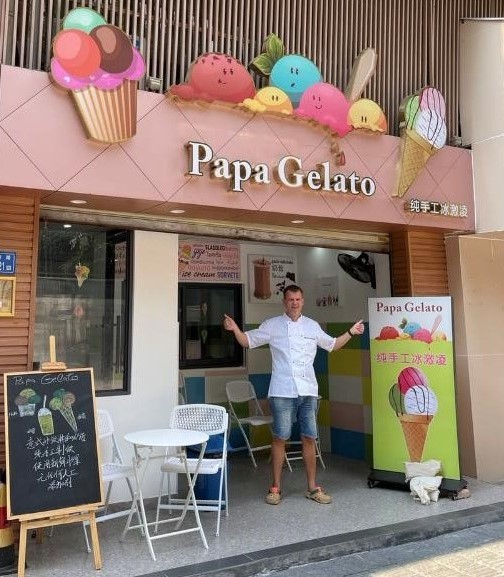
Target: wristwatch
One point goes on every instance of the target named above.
(348, 331)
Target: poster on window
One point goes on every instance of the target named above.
(209, 262)
(268, 276)
(413, 384)
(327, 292)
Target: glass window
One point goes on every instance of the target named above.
(203, 340)
(83, 299)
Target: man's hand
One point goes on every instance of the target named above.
(358, 328)
(229, 323)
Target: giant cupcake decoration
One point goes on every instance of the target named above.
(98, 65)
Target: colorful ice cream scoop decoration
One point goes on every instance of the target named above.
(269, 99)
(216, 77)
(423, 133)
(62, 401)
(415, 405)
(97, 63)
(327, 105)
(365, 114)
(292, 73)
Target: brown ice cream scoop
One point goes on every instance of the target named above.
(115, 48)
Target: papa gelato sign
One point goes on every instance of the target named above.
(413, 386)
(287, 172)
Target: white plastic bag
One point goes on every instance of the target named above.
(425, 469)
(426, 489)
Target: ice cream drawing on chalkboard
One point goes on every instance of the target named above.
(26, 402)
(62, 401)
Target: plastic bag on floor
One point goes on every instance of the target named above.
(425, 489)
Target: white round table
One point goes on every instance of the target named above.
(143, 444)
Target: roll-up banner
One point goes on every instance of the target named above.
(413, 385)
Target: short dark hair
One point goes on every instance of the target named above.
(292, 288)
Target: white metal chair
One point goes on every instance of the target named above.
(238, 393)
(112, 469)
(213, 420)
(295, 454)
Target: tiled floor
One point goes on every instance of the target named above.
(253, 528)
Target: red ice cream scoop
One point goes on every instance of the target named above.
(411, 377)
(388, 333)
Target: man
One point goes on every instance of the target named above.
(293, 390)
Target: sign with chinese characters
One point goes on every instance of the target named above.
(413, 385)
(7, 263)
(268, 276)
(438, 208)
(327, 292)
(209, 262)
(52, 452)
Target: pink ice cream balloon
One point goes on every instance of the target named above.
(327, 105)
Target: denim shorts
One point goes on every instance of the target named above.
(286, 411)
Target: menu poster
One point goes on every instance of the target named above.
(413, 383)
(269, 275)
(209, 262)
(52, 451)
(327, 292)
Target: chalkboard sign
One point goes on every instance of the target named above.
(52, 449)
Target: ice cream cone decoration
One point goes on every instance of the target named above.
(81, 273)
(415, 405)
(423, 133)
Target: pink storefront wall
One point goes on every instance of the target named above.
(43, 146)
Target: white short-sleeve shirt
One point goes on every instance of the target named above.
(293, 346)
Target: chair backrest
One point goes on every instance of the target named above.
(105, 424)
(243, 392)
(210, 419)
(240, 391)
(106, 434)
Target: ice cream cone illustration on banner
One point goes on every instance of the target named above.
(423, 133)
(62, 401)
(97, 63)
(415, 405)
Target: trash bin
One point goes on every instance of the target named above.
(207, 486)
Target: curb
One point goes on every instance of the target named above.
(280, 558)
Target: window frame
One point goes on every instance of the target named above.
(127, 315)
(238, 358)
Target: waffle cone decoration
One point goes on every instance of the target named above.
(415, 428)
(423, 132)
(108, 115)
(414, 154)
